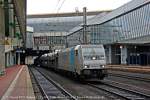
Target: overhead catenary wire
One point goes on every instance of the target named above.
(57, 5)
(57, 9)
(60, 6)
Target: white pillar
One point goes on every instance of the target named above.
(18, 58)
(109, 52)
(123, 55)
(7, 59)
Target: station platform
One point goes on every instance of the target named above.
(130, 68)
(16, 84)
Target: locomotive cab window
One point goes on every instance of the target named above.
(76, 52)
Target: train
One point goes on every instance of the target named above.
(81, 61)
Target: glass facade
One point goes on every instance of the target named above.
(129, 25)
(54, 24)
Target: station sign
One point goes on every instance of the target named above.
(20, 51)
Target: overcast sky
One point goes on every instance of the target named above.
(54, 6)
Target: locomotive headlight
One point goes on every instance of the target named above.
(85, 66)
(93, 58)
(103, 66)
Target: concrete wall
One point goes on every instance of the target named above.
(2, 61)
(2, 26)
(10, 59)
(2, 46)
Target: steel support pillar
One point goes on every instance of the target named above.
(2, 39)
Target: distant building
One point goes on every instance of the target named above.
(125, 32)
(50, 30)
(29, 37)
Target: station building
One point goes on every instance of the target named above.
(12, 31)
(29, 45)
(125, 33)
(50, 30)
(29, 37)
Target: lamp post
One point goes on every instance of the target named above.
(84, 26)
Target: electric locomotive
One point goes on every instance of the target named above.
(82, 61)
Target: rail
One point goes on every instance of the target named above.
(66, 94)
(124, 93)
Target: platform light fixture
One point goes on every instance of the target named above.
(121, 47)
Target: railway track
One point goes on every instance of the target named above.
(115, 89)
(49, 88)
(37, 92)
(80, 89)
(136, 89)
(108, 86)
(130, 77)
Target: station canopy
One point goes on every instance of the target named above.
(55, 24)
(139, 40)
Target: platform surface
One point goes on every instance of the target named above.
(130, 68)
(16, 84)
